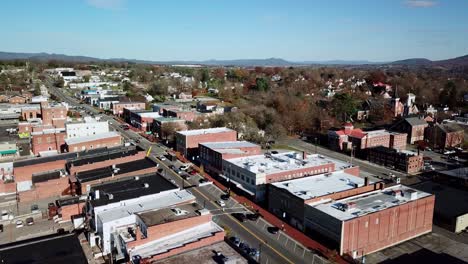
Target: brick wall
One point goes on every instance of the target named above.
(46, 142)
(192, 141)
(7, 187)
(293, 174)
(25, 173)
(216, 238)
(353, 171)
(162, 230)
(75, 169)
(384, 228)
(348, 193)
(68, 211)
(41, 190)
(100, 143)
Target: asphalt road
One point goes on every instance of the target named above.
(277, 248)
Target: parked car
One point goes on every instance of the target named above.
(221, 203)
(235, 240)
(162, 158)
(29, 221)
(273, 229)
(239, 216)
(274, 152)
(254, 252)
(225, 197)
(172, 167)
(34, 208)
(19, 224)
(184, 167)
(203, 180)
(1, 228)
(244, 246)
(193, 172)
(253, 217)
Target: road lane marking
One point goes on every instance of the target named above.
(234, 220)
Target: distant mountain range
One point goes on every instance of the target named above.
(415, 62)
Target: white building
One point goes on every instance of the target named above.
(87, 127)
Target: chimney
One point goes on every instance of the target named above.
(137, 233)
(366, 181)
(304, 155)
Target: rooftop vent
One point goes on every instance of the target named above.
(137, 178)
(146, 185)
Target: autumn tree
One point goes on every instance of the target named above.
(344, 106)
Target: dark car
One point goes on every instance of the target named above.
(235, 240)
(172, 167)
(273, 229)
(193, 172)
(137, 141)
(1, 228)
(202, 180)
(225, 197)
(244, 246)
(239, 216)
(274, 152)
(253, 217)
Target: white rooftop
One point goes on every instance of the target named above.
(176, 240)
(150, 114)
(146, 204)
(77, 140)
(376, 133)
(229, 145)
(286, 161)
(370, 202)
(320, 185)
(205, 131)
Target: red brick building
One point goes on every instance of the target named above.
(212, 153)
(350, 137)
(50, 113)
(187, 141)
(409, 162)
(17, 99)
(47, 140)
(118, 108)
(369, 222)
(109, 139)
(158, 232)
(413, 126)
(251, 174)
(186, 115)
(441, 136)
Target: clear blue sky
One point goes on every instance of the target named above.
(298, 30)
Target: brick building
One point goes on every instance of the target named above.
(413, 126)
(212, 153)
(170, 231)
(186, 115)
(409, 162)
(17, 99)
(251, 174)
(441, 136)
(187, 141)
(118, 108)
(165, 127)
(51, 112)
(350, 137)
(141, 119)
(47, 140)
(369, 222)
(288, 199)
(110, 139)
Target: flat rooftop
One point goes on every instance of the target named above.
(177, 240)
(122, 168)
(78, 140)
(150, 114)
(205, 255)
(285, 161)
(166, 215)
(147, 204)
(106, 154)
(446, 196)
(129, 188)
(229, 145)
(461, 173)
(52, 249)
(376, 133)
(205, 131)
(320, 185)
(371, 202)
(168, 119)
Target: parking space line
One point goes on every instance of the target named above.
(286, 244)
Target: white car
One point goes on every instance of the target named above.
(221, 203)
(185, 167)
(19, 224)
(162, 158)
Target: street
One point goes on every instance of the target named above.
(277, 248)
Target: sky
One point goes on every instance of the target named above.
(296, 30)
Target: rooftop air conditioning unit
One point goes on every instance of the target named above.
(146, 185)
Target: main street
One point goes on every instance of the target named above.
(274, 248)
